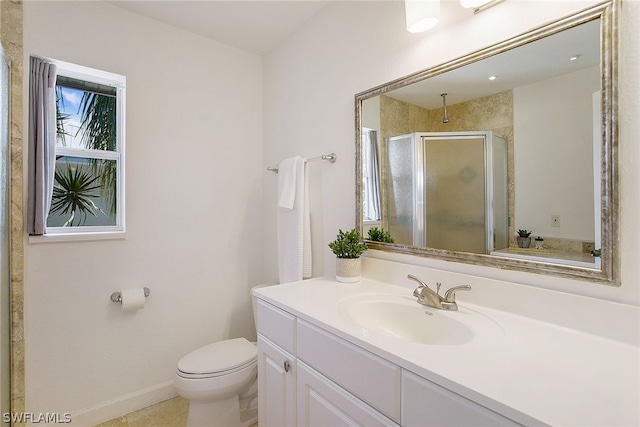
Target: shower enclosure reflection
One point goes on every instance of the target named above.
(447, 191)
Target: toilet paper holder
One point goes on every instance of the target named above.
(117, 297)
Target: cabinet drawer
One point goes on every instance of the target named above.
(424, 401)
(277, 325)
(365, 375)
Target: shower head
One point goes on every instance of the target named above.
(445, 119)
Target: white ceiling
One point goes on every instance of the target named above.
(253, 25)
(540, 60)
(256, 26)
(259, 26)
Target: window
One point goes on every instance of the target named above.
(88, 187)
(371, 209)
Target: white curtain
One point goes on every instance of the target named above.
(371, 176)
(42, 143)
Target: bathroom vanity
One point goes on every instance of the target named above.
(331, 353)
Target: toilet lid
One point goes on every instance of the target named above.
(220, 356)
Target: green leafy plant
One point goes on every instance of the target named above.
(99, 125)
(380, 235)
(348, 245)
(72, 192)
(524, 233)
(61, 119)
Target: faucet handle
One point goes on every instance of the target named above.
(450, 295)
(417, 292)
(412, 277)
(421, 284)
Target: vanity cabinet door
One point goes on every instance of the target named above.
(323, 403)
(276, 385)
(427, 404)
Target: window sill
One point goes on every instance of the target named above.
(76, 237)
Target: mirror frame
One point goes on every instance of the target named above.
(609, 271)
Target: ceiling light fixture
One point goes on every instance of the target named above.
(421, 14)
(493, 77)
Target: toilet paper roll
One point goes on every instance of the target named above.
(132, 299)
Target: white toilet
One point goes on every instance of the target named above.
(220, 381)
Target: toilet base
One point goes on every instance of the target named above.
(222, 413)
(249, 409)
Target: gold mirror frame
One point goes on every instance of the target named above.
(609, 271)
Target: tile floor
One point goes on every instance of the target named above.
(170, 413)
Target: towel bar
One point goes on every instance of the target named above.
(331, 158)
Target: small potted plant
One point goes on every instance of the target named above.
(380, 235)
(524, 238)
(347, 247)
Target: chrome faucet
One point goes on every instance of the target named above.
(429, 297)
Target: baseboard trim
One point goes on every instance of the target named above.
(123, 405)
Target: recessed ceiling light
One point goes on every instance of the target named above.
(493, 77)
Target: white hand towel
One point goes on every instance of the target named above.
(287, 174)
(294, 230)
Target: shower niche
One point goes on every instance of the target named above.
(447, 190)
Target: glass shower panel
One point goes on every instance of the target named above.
(499, 193)
(455, 194)
(399, 209)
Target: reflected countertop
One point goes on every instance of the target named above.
(550, 256)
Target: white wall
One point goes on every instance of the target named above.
(552, 138)
(310, 81)
(371, 113)
(193, 165)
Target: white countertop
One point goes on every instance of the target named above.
(533, 372)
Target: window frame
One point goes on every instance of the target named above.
(118, 82)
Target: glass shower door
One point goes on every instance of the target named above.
(455, 193)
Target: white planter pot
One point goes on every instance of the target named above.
(348, 270)
(523, 242)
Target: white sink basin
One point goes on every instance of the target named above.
(401, 317)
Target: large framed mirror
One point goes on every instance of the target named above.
(461, 161)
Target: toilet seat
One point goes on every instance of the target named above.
(218, 359)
